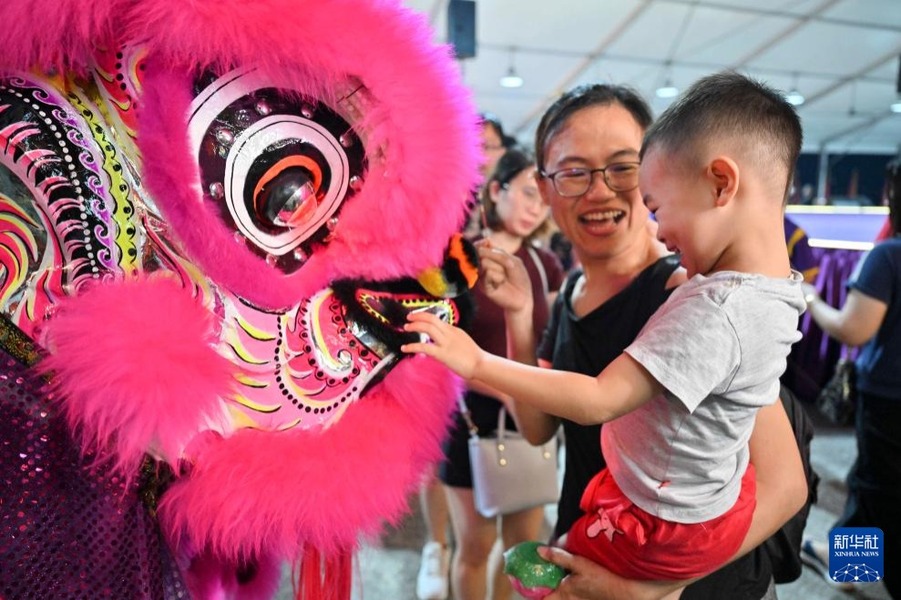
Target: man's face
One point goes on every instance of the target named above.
(601, 222)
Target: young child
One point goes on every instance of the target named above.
(678, 493)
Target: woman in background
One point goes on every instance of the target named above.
(514, 215)
(871, 318)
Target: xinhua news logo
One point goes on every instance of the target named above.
(856, 554)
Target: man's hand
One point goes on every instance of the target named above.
(444, 342)
(588, 580)
(504, 278)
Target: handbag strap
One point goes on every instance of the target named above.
(540, 267)
(502, 423)
(464, 410)
(473, 429)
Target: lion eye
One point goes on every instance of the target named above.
(276, 165)
(288, 193)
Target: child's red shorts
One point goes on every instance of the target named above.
(637, 545)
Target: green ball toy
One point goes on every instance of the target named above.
(531, 576)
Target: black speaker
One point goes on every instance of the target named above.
(461, 27)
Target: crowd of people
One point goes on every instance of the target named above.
(669, 429)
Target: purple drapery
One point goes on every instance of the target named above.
(812, 360)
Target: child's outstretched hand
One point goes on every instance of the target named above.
(444, 342)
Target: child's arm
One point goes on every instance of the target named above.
(620, 388)
(507, 284)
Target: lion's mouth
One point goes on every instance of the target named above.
(326, 353)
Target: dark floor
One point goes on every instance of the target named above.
(387, 567)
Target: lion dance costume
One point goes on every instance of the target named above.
(214, 219)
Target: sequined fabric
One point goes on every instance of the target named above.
(67, 532)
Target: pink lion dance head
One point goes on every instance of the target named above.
(214, 218)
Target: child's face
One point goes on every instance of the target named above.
(675, 194)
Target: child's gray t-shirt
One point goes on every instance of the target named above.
(718, 346)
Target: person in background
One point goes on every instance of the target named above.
(494, 143)
(803, 260)
(434, 564)
(514, 215)
(888, 229)
(799, 251)
(871, 318)
(625, 274)
(563, 248)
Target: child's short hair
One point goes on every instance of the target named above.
(729, 105)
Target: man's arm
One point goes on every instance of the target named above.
(781, 492)
(588, 580)
(781, 482)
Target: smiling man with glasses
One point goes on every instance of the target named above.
(570, 183)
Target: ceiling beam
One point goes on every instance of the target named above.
(768, 12)
(693, 64)
(838, 135)
(586, 62)
(856, 75)
(799, 22)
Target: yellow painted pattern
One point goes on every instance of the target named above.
(119, 188)
(256, 406)
(250, 382)
(241, 420)
(20, 225)
(231, 338)
(290, 424)
(254, 332)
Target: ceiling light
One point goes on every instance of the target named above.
(667, 90)
(896, 107)
(511, 79)
(795, 98)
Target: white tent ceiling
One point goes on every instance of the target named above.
(842, 55)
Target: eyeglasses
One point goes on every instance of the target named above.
(570, 183)
(529, 192)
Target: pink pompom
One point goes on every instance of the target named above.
(134, 364)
